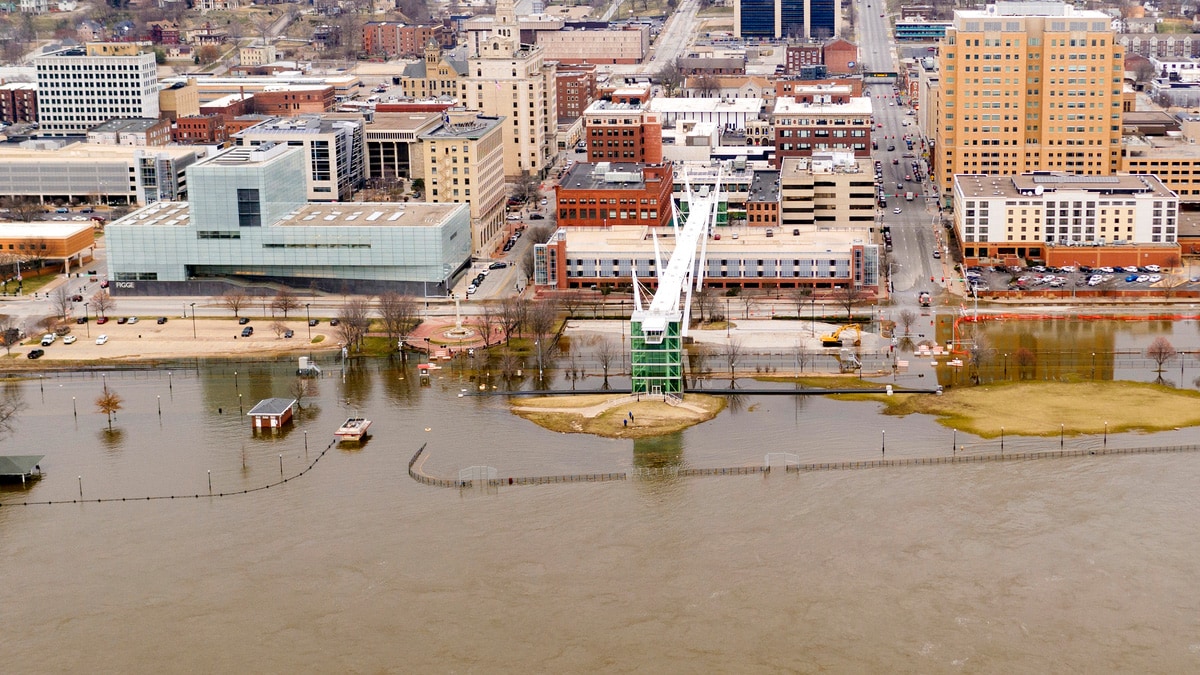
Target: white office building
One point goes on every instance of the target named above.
(80, 88)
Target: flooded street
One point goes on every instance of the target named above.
(1076, 564)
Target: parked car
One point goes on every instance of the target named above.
(77, 298)
(497, 265)
(1155, 278)
(102, 339)
(132, 320)
(248, 331)
(81, 320)
(102, 320)
(537, 216)
(1131, 278)
(70, 340)
(313, 322)
(334, 322)
(161, 320)
(35, 353)
(243, 321)
(48, 339)
(289, 333)
(123, 320)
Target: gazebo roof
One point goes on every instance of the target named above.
(272, 406)
(18, 465)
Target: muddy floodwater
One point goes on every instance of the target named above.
(1067, 565)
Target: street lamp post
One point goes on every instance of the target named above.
(86, 320)
(727, 317)
(193, 321)
(308, 315)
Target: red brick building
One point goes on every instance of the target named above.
(808, 54)
(575, 89)
(228, 107)
(390, 38)
(608, 195)
(804, 128)
(201, 129)
(841, 56)
(616, 131)
(18, 102)
(295, 100)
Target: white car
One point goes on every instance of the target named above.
(1143, 278)
(70, 339)
(1130, 268)
(1155, 278)
(897, 210)
(78, 217)
(132, 320)
(1153, 268)
(471, 289)
(513, 217)
(102, 339)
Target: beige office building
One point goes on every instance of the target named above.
(508, 79)
(831, 190)
(1028, 87)
(464, 164)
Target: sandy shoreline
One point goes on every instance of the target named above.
(147, 341)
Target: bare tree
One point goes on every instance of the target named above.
(279, 327)
(234, 300)
(706, 85)
(907, 318)
(570, 301)
(670, 77)
(978, 355)
(1026, 361)
(486, 321)
(22, 209)
(108, 402)
(606, 352)
(60, 300)
(398, 313)
(10, 335)
(512, 316)
(302, 388)
(803, 356)
(706, 302)
(848, 297)
(799, 295)
(103, 302)
(733, 354)
(1160, 352)
(541, 317)
(509, 363)
(698, 358)
(285, 301)
(353, 321)
(10, 405)
(526, 187)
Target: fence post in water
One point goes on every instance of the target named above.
(1062, 428)
(159, 398)
(170, 382)
(1001, 439)
(306, 444)
(210, 482)
(954, 441)
(1106, 433)
(80, 487)
(883, 441)
(74, 410)
(281, 466)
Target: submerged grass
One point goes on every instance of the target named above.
(608, 416)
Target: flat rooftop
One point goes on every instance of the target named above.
(338, 214)
(294, 125)
(125, 125)
(52, 229)
(585, 176)
(746, 106)
(401, 122)
(764, 187)
(473, 129)
(751, 241)
(857, 105)
(92, 151)
(1026, 185)
(1160, 147)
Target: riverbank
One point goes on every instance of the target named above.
(618, 415)
(1051, 408)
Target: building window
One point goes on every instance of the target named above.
(249, 209)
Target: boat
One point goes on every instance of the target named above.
(353, 429)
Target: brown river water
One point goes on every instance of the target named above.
(1066, 565)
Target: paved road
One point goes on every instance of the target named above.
(915, 231)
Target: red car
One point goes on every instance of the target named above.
(102, 320)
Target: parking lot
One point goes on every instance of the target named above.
(1078, 278)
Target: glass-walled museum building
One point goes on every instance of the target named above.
(247, 218)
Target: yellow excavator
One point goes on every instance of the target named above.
(834, 339)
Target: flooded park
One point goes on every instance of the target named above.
(345, 563)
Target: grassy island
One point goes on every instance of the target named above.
(608, 414)
(1038, 408)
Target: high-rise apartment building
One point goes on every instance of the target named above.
(1028, 87)
(511, 80)
(80, 88)
(793, 19)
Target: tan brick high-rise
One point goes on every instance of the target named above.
(1028, 87)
